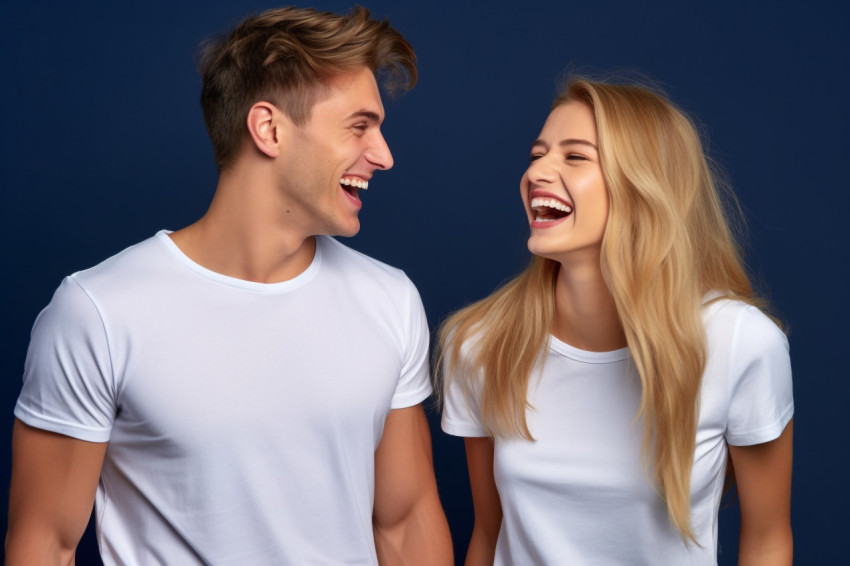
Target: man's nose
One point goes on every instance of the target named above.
(378, 153)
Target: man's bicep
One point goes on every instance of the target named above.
(403, 464)
(54, 479)
(410, 526)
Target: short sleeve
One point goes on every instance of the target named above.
(461, 410)
(67, 384)
(414, 384)
(761, 397)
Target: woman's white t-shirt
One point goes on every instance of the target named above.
(579, 493)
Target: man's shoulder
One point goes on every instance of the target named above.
(131, 263)
(357, 264)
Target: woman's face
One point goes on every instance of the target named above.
(563, 189)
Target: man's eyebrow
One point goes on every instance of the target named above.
(368, 114)
(566, 142)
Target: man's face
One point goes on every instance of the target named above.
(333, 155)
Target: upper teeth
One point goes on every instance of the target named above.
(359, 183)
(550, 203)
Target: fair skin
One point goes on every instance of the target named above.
(288, 184)
(286, 187)
(567, 206)
(566, 201)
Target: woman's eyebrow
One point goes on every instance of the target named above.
(566, 142)
(571, 141)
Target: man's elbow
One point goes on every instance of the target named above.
(774, 546)
(416, 535)
(34, 547)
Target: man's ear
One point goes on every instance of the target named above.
(265, 126)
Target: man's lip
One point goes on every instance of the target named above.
(354, 198)
(365, 178)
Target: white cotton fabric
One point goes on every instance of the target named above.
(242, 418)
(578, 494)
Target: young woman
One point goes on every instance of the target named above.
(605, 392)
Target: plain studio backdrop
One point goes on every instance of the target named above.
(103, 144)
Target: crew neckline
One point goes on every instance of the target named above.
(572, 352)
(281, 286)
(586, 356)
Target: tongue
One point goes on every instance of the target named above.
(547, 213)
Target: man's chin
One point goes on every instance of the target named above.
(347, 231)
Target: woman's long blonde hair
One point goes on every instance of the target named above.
(667, 243)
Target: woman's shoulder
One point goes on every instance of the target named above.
(745, 330)
(729, 314)
(749, 364)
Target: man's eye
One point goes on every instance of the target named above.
(360, 127)
(534, 157)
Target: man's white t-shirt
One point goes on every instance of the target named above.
(578, 493)
(241, 418)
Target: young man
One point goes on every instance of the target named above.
(245, 390)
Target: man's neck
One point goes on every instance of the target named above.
(242, 235)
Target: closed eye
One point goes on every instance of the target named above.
(576, 157)
(534, 157)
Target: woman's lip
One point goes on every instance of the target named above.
(547, 223)
(545, 194)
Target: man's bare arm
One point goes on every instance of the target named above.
(54, 479)
(409, 522)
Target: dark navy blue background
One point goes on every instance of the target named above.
(103, 144)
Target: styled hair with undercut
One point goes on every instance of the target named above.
(285, 56)
(668, 243)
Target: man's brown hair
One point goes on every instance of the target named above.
(284, 56)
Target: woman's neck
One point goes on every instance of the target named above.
(586, 316)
